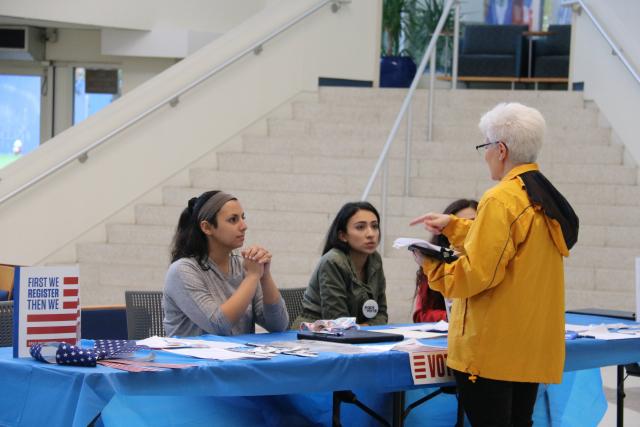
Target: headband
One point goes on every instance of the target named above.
(213, 205)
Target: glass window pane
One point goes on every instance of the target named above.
(19, 116)
(86, 104)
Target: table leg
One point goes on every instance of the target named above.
(398, 409)
(620, 397)
(335, 413)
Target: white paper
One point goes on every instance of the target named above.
(404, 242)
(576, 328)
(423, 331)
(379, 348)
(214, 353)
(602, 331)
(163, 343)
(414, 346)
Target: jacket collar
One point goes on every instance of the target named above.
(517, 170)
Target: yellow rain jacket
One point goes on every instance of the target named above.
(507, 321)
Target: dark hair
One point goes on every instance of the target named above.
(189, 241)
(454, 207)
(441, 240)
(339, 224)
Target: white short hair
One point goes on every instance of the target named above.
(519, 127)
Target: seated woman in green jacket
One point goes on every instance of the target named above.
(349, 280)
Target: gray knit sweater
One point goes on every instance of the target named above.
(193, 296)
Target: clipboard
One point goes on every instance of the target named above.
(616, 314)
(428, 249)
(351, 336)
(438, 252)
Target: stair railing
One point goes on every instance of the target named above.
(405, 110)
(580, 4)
(173, 100)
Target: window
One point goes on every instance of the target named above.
(94, 93)
(20, 103)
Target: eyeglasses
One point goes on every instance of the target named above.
(482, 147)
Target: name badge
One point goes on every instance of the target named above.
(370, 309)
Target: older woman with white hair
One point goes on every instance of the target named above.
(506, 332)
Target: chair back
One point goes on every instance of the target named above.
(144, 314)
(556, 43)
(293, 301)
(6, 323)
(106, 322)
(493, 39)
(6, 279)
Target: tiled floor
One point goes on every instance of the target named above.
(631, 401)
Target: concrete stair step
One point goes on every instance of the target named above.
(328, 130)
(120, 253)
(601, 257)
(425, 196)
(600, 194)
(256, 219)
(310, 183)
(159, 235)
(124, 275)
(447, 97)
(421, 168)
(435, 150)
(600, 299)
(468, 115)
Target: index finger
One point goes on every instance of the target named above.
(419, 219)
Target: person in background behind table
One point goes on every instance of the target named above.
(506, 332)
(430, 304)
(209, 289)
(349, 280)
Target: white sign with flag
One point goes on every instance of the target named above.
(46, 306)
(430, 367)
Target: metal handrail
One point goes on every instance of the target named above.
(174, 99)
(429, 54)
(604, 34)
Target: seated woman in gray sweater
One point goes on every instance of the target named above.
(349, 280)
(209, 289)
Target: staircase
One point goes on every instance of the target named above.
(293, 177)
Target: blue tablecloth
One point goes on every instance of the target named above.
(55, 395)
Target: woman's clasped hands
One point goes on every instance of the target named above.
(257, 260)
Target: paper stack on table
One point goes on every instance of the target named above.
(610, 331)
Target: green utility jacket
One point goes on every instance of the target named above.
(335, 291)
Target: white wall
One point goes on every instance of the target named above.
(55, 212)
(82, 48)
(205, 15)
(606, 81)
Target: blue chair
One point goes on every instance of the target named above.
(103, 322)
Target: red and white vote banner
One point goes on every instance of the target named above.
(46, 306)
(430, 367)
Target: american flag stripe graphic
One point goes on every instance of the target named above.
(419, 372)
(63, 323)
